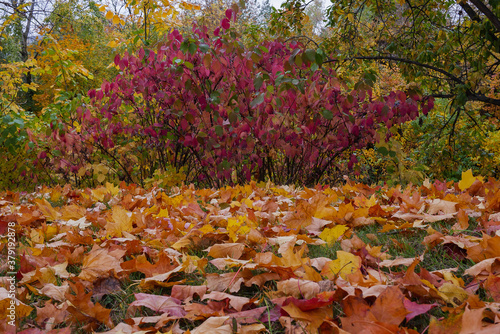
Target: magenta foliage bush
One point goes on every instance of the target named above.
(227, 113)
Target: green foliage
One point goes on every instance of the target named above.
(449, 49)
(440, 145)
(166, 179)
(450, 141)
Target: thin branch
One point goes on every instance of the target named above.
(407, 61)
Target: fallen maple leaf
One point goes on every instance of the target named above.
(331, 235)
(83, 310)
(99, 263)
(160, 304)
(345, 264)
(214, 325)
(121, 220)
(232, 250)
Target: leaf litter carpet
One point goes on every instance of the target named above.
(253, 259)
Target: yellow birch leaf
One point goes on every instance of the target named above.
(110, 15)
(116, 19)
(101, 178)
(81, 171)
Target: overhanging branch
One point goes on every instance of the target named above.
(407, 61)
(471, 96)
(488, 13)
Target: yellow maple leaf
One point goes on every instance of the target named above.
(331, 235)
(121, 222)
(113, 190)
(162, 214)
(236, 227)
(452, 294)
(207, 228)
(345, 264)
(467, 180)
(46, 208)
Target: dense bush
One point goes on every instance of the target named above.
(224, 113)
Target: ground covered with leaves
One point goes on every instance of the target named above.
(257, 258)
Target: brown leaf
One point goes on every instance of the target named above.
(487, 248)
(228, 281)
(84, 311)
(187, 292)
(55, 292)
(163, 265)
(492, 287)
(298, 288)
(232, 250)
(98, 263)
(439, 205)
(52, 314)
(314, 318)
(105, 286)
(215, 325)
(236, 302)
(160, 304)
(484, 267)
(389, 306)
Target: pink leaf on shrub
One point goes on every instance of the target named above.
(225, 24)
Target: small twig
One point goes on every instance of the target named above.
(230, 283)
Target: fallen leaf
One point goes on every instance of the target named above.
(345, 264)
(98, 263)
(232, 250)
(160, 304)
(214, 325)
(331, 235)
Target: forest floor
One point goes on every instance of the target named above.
(256, 258)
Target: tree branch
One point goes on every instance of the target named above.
(468, 9)
(488, 13)
(407, 61)
(483, 98)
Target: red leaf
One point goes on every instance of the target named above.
(416, 309)
(225, 24)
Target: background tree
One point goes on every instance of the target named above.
(448, 47)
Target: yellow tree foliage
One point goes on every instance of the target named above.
(11, 80)
(148, 16)
(62, 61)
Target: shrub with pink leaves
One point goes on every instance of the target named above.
(226, 113)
